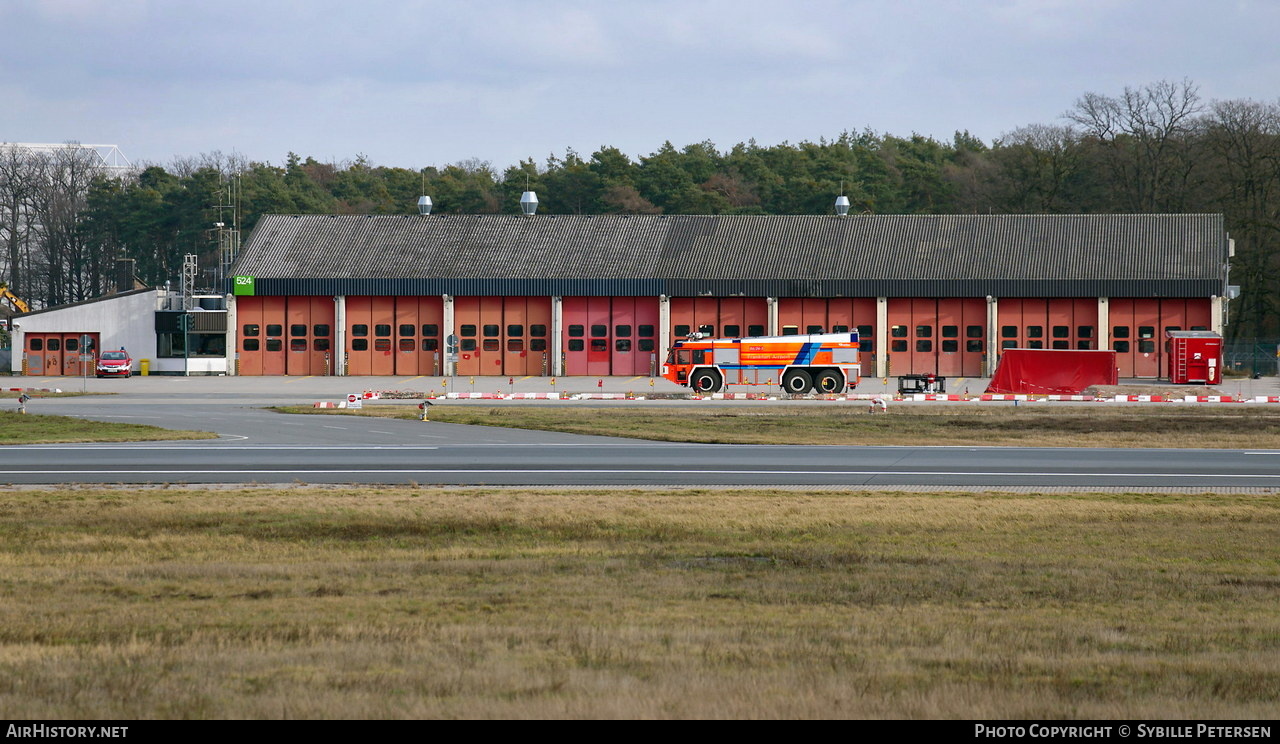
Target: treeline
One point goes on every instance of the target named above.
(1155, 149)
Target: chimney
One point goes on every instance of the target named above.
(126, 279)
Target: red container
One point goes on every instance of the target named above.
(1194, 357)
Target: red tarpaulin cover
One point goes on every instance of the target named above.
(1052, 371)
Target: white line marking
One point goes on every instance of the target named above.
(64, 471)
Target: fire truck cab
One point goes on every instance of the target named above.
(820, 362)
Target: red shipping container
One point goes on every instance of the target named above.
(1194, 357)
(1052, 371)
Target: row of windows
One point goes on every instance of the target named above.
(296, 329)
(948, 345)
(948, 331)
(295, 344)
(1082, 345)
(602, 344)
(383, 330)
(54, 344)
(619, 331)
(1058, 331)
(730, 331)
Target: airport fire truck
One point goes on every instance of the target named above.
(821, 362)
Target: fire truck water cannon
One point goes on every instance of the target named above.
(819, 362)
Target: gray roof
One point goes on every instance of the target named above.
(754, 255)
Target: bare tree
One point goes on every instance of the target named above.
(1144, 136)
(18, 181)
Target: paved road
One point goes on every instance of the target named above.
(265, 447)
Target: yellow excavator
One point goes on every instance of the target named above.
(16, 301)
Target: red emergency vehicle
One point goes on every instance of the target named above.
(822, 362)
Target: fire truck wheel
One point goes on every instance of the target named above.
(797, 382)
(705, 382)
(829, 381)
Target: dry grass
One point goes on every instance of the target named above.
(1035, 425)
(407, 602)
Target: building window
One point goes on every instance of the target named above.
(1120, 332)
(622, 344)
(813, 329)
(950, 332)
(899, 346)
(321, 344)
(1146, 331)
(599, 344)
(924, 345)
(839, 329)
(515, 330)
(320, 330)
(406, 329)
(251, 329)
(733, 331)
(491, 330)
(707, 330)
(381, 330)
(1035, 332)
(599, 331)
(972, 346)
(577, 331)
(491, 344)
(646, 344)
(298, 344)
(950, 344)
(359, 344)
(468, 344)
(1084, 345)
(250, 344)
(898, 331)
(382, 344)
(273, 344)
(1061, 332)
(298, 329)
(622, 330)
(791, 330)
(468, 330)
(752, 330)
(576, 344)
(1084, 331)
(408, 344)
(1008, 344)
(35, 344)
(274, 329)
(430, 344)
(431, 329)
(537, 344)
(1008, 332)
(1035, 344)
(515, 344)
(682, 331)
(973, 331)
(206, 345)
(538, 330)
(1121, 347)
(359, 330)
(1146, 346)
(1058, 344)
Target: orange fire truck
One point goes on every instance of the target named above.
(825, 362)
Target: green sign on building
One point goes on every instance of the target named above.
(242, 286)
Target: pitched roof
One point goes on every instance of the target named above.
(756, 255)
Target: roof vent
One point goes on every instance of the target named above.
(424, 205)
(842, 205)
(529, 203)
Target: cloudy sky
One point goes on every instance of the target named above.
(413, 83)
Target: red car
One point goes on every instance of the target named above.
(115, 364)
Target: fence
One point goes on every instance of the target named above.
(1251, 356)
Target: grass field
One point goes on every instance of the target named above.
(1047, 425)
(30, 428)
(473, 603)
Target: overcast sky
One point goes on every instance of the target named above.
(410, 84)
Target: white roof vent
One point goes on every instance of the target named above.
(842, 205)
(529, 203)
(424, 205)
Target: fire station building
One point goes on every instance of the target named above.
(607, 294)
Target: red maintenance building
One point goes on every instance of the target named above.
(608, 294)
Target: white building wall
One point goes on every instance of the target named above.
(127, 321)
